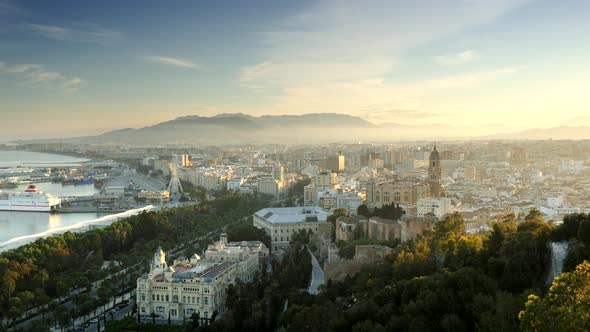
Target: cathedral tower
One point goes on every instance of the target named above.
(435, 174)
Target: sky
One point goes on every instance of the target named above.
(76, 68)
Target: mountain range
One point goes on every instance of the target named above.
(238, 128)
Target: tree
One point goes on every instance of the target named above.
(63, 317)
(584, 232)
(41, 299)
(195, 317)
(534, 214)
(104, 293)
(27, 299)
(153, 315)
(9, 279)
(363, 210)
(565, 308)
(15, 308)
(213, 317)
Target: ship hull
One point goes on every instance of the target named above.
(30, 201)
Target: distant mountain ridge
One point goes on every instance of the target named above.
(313, 128)
(239, 127)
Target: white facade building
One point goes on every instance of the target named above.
(282, 223)
(197, 285)
(439, 206)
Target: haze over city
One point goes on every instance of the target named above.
(469, 68)
(294, 165)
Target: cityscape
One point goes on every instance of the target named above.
(294, 166)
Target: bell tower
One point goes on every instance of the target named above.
(158, 262)
(435, 174)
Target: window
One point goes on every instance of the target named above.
(158, 297)
(206, 300)
(167, 299)
(143, 310)
(143, 297)
(184, 299)
(153, 297)
(206, 314)
(198, 300)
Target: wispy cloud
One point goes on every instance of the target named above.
(9, 7)
(73, 85)
(457, 58)
(306, 64)
(169, 61)
(35, 74)
(83, 33)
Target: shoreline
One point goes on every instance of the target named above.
(43, 164)
(77, 227)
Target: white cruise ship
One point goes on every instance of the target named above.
(31, 200)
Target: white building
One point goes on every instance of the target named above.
(325, 180)
(189, 287)
(438, 206)
(349, 201)
(234, 184)
(282, 223)
(326, 199)
(554, 202)
(196, 285)
(310, 195)
(250, 254)
(267, 185)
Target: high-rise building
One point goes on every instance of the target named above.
(278, 173)
(181, 160)
(267, 185)
(335, 163)
(435, 174)
(325, 180)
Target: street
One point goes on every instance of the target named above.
(317, 275)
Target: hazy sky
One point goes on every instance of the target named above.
(72, 68)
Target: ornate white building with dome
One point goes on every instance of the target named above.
(197, 285)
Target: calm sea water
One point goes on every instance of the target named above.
(26, 158)
(17, 224)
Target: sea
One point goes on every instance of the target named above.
(17, 228)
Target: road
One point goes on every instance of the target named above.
(117, 315)
(317, 275)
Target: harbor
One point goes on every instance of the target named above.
(44, 194)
